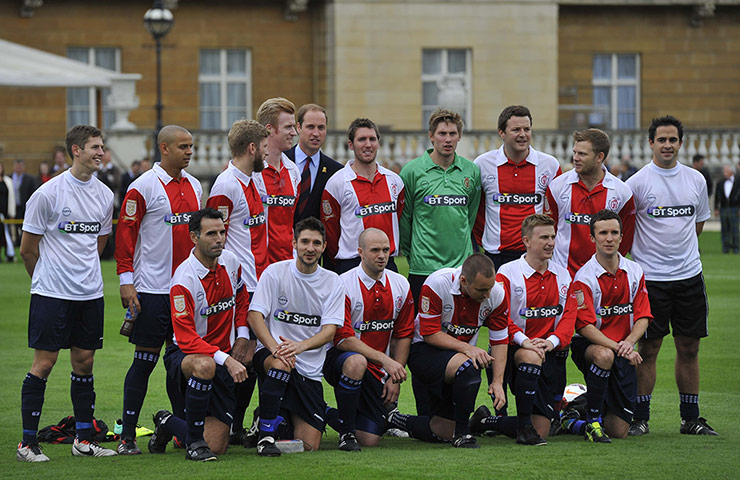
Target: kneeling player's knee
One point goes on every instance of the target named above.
(602, 357)
(354, 366)
(203, 366)
(527, 356)
(467, 374)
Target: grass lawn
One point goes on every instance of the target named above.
(661, 454)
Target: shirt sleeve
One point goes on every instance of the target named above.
(479, 225)
(584, 300)
(403, 327)
(133, 209)
(261, 301)
(107, 227)
(566, 326)
(702, 211)
(333, 313)
(551, 207)
(330, 216)
(627, 214)
(222, 203)
(516, 334)
(242, 303)
(498, 321)
(430, 311)
(641, 304)
(38, 209)
(346, 330)
(405, 221)
(474, 201)
(183, 323)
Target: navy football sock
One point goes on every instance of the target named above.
(271, 396)
(689, 406)
(197, 396)
(642, 408)
(331, 415)
(243, 392)
(83, 404)
(577, 427)
(464, 390)
(504, 425)
(597, 381)
(176, 426)
(527, 376)
(177, 399)
(134, 390)
(32, 400)
(417, 426)
(347, 393)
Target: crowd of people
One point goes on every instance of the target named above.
(287, 276)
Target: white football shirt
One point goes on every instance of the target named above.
(70, 215)
(669, 203)
(296, 306)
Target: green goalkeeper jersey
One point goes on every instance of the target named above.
(441, 206)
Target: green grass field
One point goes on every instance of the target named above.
(661, 454)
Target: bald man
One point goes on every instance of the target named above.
(368, 361)
(152, 239)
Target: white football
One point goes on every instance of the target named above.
(572, 391)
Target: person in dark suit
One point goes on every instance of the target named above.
(311, 136)
(24, 186)
(727, 207)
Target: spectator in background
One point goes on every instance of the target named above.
(44, 173)
(58, 160)
(7, 210)
(110, 175)
(726, 207)
(697, 163)
(129, 177)
(23, 186)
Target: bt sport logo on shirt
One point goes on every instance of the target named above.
(446, 200)
(79, 227)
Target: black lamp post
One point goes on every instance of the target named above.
(158, 21)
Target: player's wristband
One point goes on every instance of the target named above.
(126, 278)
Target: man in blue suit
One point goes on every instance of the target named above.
(316, 167)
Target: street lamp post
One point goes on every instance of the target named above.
(158, 22)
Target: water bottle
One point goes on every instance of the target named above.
(128, 321)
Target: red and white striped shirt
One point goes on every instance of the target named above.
(511, 192)
(375, 311)
(279, 193)
(235, 195)
(571, 205)
(539, 304)
(444, 307)
(612, 303)
(208, 306)
(351, 203)
(152, 236)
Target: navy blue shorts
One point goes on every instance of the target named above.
(551, 377)
(371, 410)
(222, 402)
(303, 397)
(55, 323)
(428, 365)
(154, 324)
(621, 395)
(682, 304)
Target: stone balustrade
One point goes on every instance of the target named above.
(398, 147)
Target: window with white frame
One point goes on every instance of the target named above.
(225, 81)
(616, 89)
(445, 82)
(88, 105)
